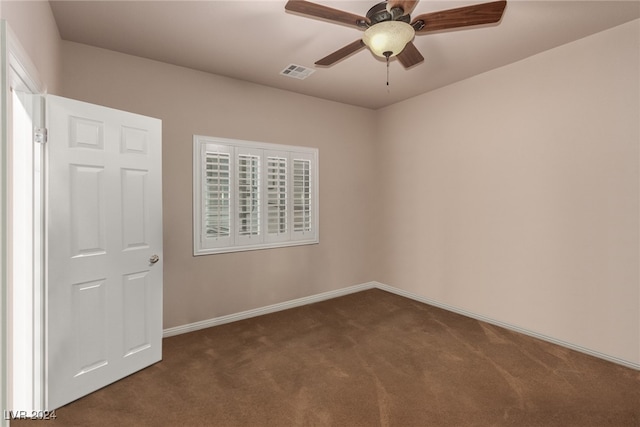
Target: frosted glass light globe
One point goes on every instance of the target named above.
(388, 36)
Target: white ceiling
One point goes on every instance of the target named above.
(256, 40)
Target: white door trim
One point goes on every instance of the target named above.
(19, 73)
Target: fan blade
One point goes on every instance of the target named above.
(324, 12)
(341, 53)
(410, 56)
(485, 13)
(407, 6)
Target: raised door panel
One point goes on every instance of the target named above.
(87, 210)
(134, 209)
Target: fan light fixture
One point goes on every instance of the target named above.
(387, 39)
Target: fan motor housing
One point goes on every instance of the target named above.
(379, 13)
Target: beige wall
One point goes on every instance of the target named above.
(514, 194)
(191, 102)
(33, 24)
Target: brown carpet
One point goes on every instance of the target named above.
(367, 359)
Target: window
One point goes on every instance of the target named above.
(252, 195)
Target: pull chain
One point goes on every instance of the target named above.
(387, 71)
(387, 55)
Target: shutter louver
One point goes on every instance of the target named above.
(276, 195)
(248, 195)
(217, 216)
(301, 195)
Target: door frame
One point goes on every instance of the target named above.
(18, 72)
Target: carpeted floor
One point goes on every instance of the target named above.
(367, 359)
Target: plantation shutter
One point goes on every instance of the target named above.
(248, 209)
(302, 198)
(216, 206)
(277, 215)
(250, 195)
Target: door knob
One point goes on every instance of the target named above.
(154, 259)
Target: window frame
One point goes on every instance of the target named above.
(265, 152)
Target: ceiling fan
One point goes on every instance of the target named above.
(389, 29)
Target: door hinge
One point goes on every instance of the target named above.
(40, 135)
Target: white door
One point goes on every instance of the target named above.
(104, 247)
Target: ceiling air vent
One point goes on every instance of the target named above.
(297, 71)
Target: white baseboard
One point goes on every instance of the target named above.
(266, 310)
(371, 285)
(518, 329)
